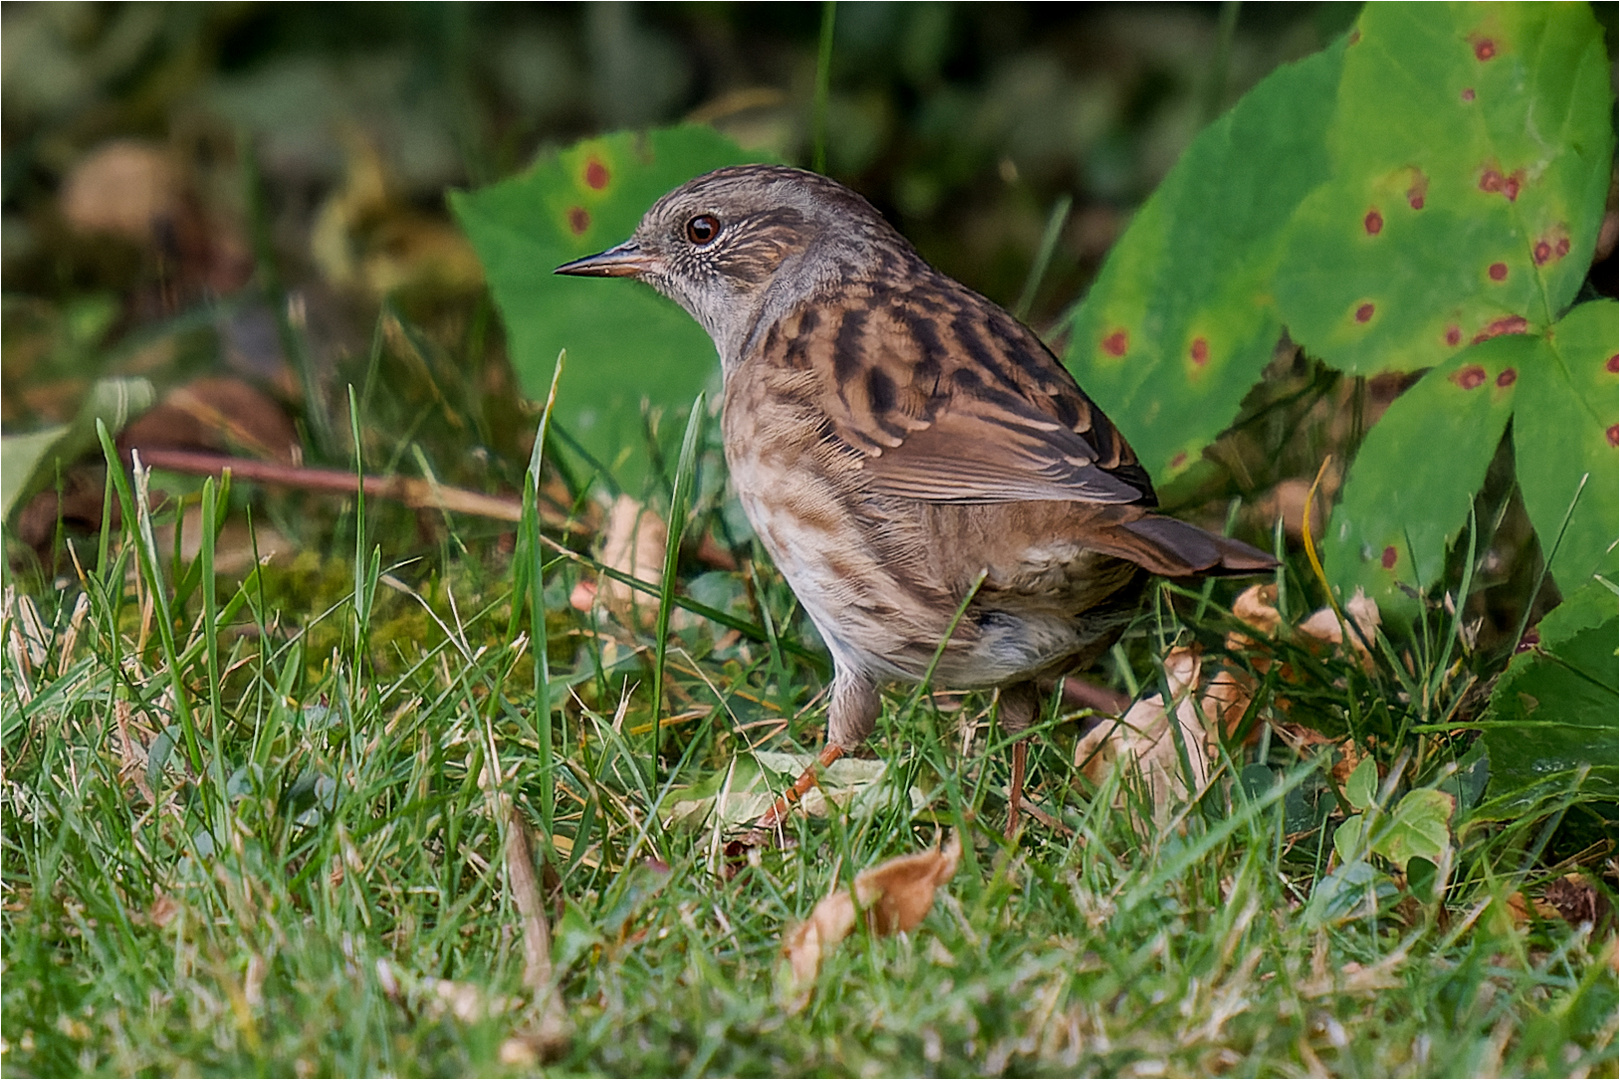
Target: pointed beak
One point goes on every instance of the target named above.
(625, 260)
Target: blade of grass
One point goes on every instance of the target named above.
(679, 499)
(138, 510)
(531, 571)
(1043, 254)
(818, 152)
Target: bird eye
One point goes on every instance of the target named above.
(702, 229)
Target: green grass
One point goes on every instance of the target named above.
(279, 850)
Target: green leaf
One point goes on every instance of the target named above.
(1564, 429)
(1347, 837)
(29, 462)
(626, 344)
(1410, 487)
(1422, 875)
(1471, 150)
(1419, 827)
(1555, 709)
(1362, 786)
(1350, 892)
(1181, 321)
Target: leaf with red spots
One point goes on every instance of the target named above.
(1180, 322)
(1409, 489)
(1469, 142)
(1561, 425)
(625, 342)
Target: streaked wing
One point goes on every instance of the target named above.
(953, 400)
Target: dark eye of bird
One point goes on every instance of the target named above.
(702, 229)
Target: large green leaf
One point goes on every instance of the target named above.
(1409, 489)
(1181, 321)
(626, 344)
(1556, 708)
(1471, 149)
(1564, 432)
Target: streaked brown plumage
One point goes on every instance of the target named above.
(892, 435)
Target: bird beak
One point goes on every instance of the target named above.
(625, 260)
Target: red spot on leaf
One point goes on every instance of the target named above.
(1613, 365)
(1484, 49)
(1507, 324)
(1561, 248)
(1614, 434)
(1453, 335)
(1498, 271)
(1364, 312)
(1355, 35)
(1543, 252)
(1199, 352)
(1179, 460)
(1419, 189)
(1468, 93)
(1493, 181)
(1507, 378)
(1471, 377)
(596, 174)
(1389, 557)
(1117, 343)
(1373, 222)
(579, 219)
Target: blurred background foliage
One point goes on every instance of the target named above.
(128, 198)
(246, 205)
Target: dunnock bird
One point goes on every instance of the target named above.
(893, 436)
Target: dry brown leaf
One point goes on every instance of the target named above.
(1143, 736)
(123, 187)
(1324, 625)
(894, 896)
(1287, 500)
(1226, 698)
(1577, 900)
(1257, 606)
(216, 414)
(633, 544)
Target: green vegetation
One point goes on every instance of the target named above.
(264, 744)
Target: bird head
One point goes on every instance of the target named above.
(741, 247)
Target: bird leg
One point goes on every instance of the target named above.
(801, 787)
(851, 715)
(1017, 712)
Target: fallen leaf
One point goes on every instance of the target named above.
(1287, 501)
(893, 896)
(215, 414)
(633, 544)
(1362, 611)
(1256, 606)
(1576, 900)
(124, 187)
(1143, 737)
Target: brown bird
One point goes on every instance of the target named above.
(894, 437)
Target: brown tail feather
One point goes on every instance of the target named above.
(1175, 549)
